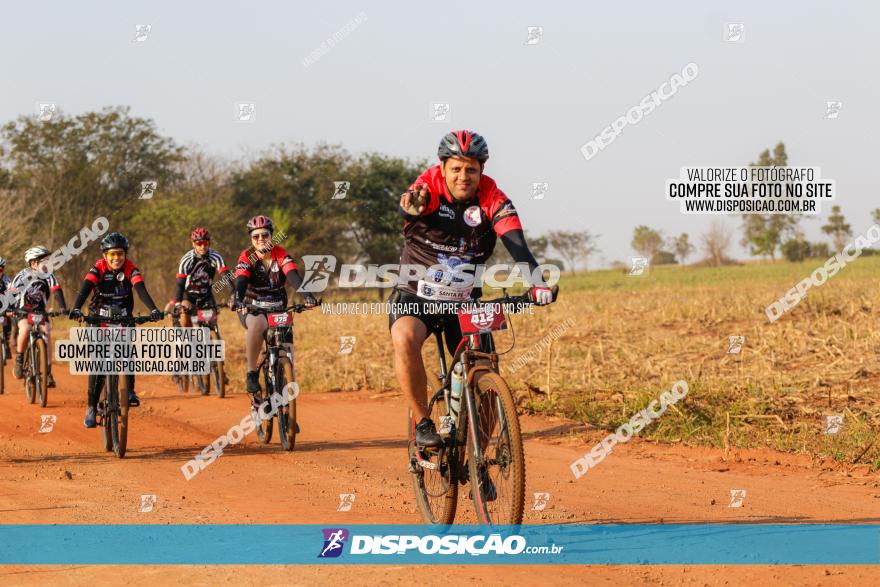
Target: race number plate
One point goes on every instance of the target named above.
(482, 318)
(206, 315)
(280, 319)
(35, 318)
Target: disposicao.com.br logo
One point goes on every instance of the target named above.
(431, 544)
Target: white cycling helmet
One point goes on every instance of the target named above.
(35, 254)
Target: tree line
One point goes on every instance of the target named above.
(57, 176)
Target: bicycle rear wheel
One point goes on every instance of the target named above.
(30, 379)
(218, 372)
(500, 469)
(264, 423)
(202, 383)
(219, 376)
(122, 434)
(41, 362)
(286, 414)
(434, 472)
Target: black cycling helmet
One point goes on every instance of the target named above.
(114, 240)
(463, 143)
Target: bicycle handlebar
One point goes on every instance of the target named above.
(522, 299)
(118, 319)
(298, 308)
(23, 312)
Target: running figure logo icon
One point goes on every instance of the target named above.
(141, 32)
(318, 269)
(833, 424)
(534, 35)
(148, 188)
(45, 111)
(334, 539)
(735, 344)
(340, 189)
(638, 265)
(735, 32)
(439, 111)
(147, 503)
(539, 189)
(47, 422)
(346, 500)
(346, 344)
(541, 500)
(832, 109)
(737, 497)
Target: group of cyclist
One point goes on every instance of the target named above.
(452, 214)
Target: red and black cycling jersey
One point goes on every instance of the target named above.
(265, 284)
(113, 288)
(196, 273)
(33, 288)
(449, 232)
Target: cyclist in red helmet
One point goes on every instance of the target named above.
(196, 272)
(453, 214)
(261, 274)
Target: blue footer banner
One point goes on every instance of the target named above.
(654, 544)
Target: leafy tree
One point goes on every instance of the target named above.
(73, 169)
(371, 205)
(716, 242)
(663, 258)
(838, 228)
(682, 247)
(301, 182)
(763, 233)
(646, 241)
(573, 245)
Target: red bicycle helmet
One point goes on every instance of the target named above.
(260, 222)
(200, 234)
(463, 143)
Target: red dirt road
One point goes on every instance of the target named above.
(355, 443)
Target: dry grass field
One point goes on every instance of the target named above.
(619, 340)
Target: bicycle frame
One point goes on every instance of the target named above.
(474, 360)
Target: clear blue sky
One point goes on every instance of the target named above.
(536, 104)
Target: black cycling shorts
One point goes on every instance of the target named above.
(201, 302)
(407, 304)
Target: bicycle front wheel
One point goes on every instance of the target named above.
(217, 371)
(498, 474)
(41, 363)
(122, 434)
(434, 471)
(286, 414)
(264, 423)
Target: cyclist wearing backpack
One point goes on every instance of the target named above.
(33, 286)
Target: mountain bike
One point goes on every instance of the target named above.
(482, 443)
(3, 354)
(113, 399)
(207, 318)
(35, 367)
(183, 380)
(277, 370)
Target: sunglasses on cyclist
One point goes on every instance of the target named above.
(114, 254)
(204, 242)
(261, 235)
